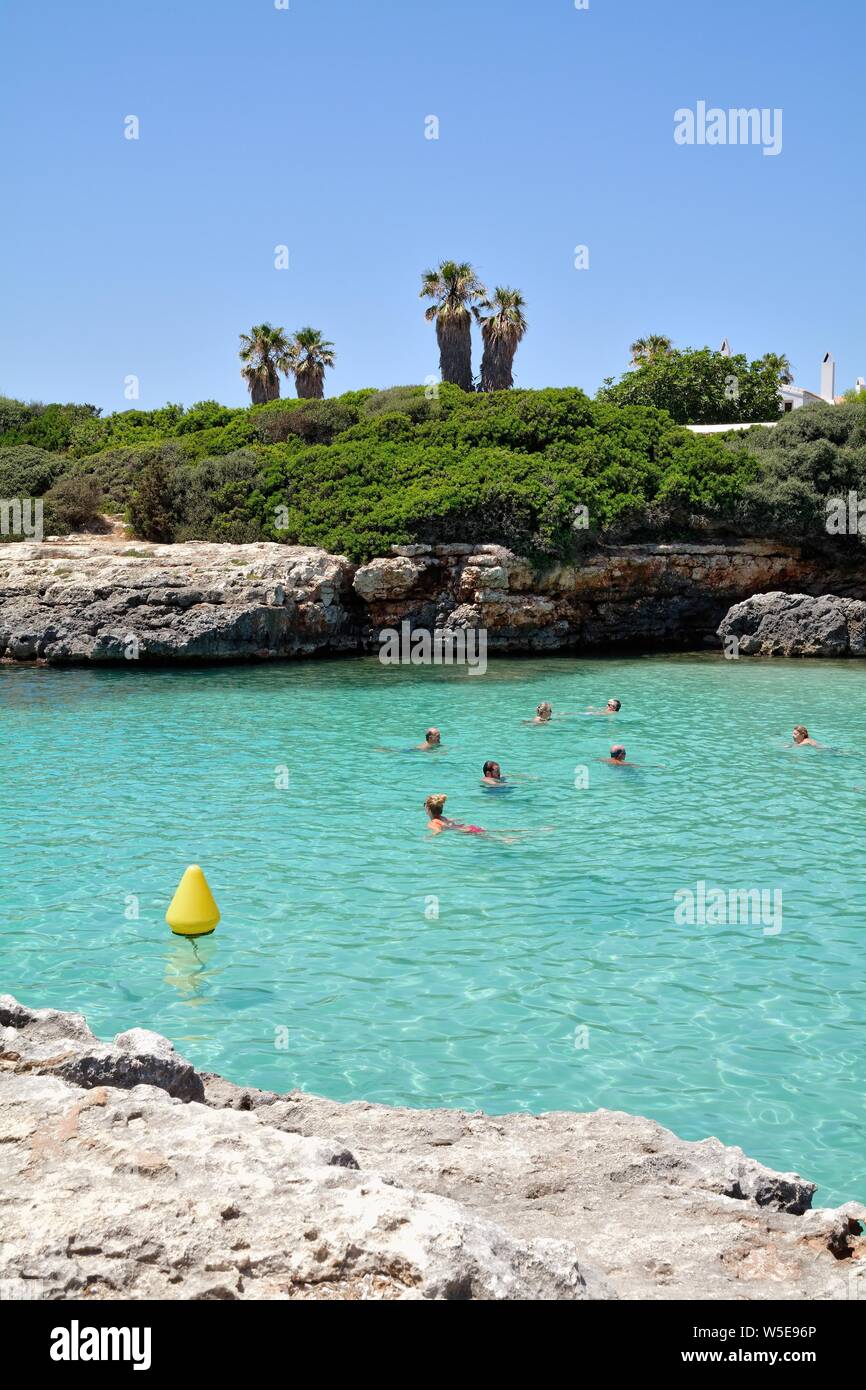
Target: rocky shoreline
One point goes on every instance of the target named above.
(83, 600)
(125, 1173)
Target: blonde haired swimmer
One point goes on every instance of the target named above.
(434, 806)
(802, 739)
(544, 714)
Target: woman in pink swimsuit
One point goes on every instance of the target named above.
(434, 806)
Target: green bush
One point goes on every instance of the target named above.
(72, 504)
(370, 469)
(152, 507)
(702, 387)
(26, 471)
(814, 454)
(211, 500)
(50, 427)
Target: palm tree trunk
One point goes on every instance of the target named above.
(310, 385)
(496, 366)
(455, 352)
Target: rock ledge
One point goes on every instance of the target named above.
(126, 1174)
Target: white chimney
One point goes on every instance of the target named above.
(859, 385)
(828, 378)
(725, 349)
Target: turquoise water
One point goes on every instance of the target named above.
(331, 970)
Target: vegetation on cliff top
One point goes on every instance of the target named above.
(542, 471)
(700, 387)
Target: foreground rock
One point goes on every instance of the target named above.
(113, 1190)
(780, 624)
(87, 600)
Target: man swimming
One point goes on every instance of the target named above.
(802, 739)
(434, 806)
(432, 739)
(493, 776)
(617, 757)
(612, 707)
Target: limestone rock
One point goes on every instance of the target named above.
(131, 1194)
(392, 577)
(121, 1190)
(88, 600)
(111, 601)
(779, 624)
(48, 1041)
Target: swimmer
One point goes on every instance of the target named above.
(492, 776)
(802, 739)
(543, 714)
(432, 739)
(617, 757)
(612, 707)
(434, 806)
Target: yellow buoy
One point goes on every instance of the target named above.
(192, 911)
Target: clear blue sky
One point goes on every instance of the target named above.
(306, 127)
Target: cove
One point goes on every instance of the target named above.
(553, 974)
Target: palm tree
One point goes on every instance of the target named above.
(309, 355)
(781, 364)
(264, 355)
(648, 349)
(502, 331)
(458, 297)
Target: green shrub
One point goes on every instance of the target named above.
(370, 469)
(50, 427)
(152, 506)
(72, 504)
(702, 387)
(814, 454)
(211, 499)
(26, 471)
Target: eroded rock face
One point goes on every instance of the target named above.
(110, 601)
(113, 1191)
(780, 624)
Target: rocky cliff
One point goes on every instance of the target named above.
(124, 1173)
(87, 600)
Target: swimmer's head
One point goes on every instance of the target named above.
(544, 710)
(492, 770)
(617, 752)
(800, 733)
(434, 806)
(433, 736)
(614, 706)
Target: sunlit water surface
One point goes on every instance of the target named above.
(359, 957)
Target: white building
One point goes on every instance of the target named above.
(795, 396)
